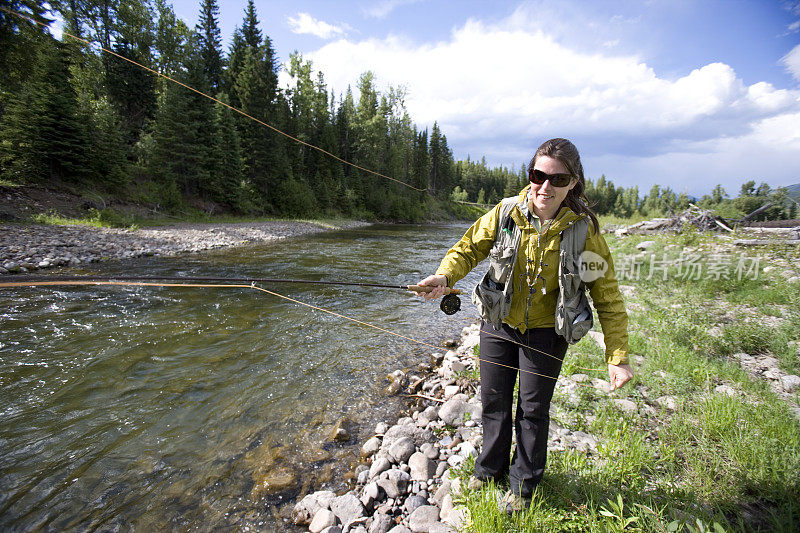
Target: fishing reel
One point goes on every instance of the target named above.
(450, 304)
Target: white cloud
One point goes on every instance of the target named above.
(382, 9)
(304, 23)
(792, 62)
(501, 89)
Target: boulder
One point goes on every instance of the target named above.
(347, 508)
(323, 519)
(381, 523)
(395, 484)
(402, 449)
(453, 410)
(380, 465)
(370, 447)
(422, 518)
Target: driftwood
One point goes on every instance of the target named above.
(756, 212)
(702, 219)
(765, 242)
(705, 220)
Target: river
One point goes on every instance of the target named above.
(153, 408)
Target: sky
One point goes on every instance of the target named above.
(681, 93)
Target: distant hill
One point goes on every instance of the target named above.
(793, 190)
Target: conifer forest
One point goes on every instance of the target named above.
(74, 115)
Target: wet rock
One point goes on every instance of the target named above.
(306, 508)
(273, 481)
(393, 388)
(371, 447)
(323, 519)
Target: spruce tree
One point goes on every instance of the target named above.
(250, 32)
(183, 158)
(19, 41)
(41, 137)
(210, 44)
(130, 88)
(228, 153)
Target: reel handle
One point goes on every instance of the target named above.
(424, 288)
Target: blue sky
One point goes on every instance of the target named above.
(683, 93)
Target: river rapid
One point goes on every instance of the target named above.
(208, 408)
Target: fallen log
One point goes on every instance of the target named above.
(765, 242)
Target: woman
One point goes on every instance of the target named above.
(527, 338)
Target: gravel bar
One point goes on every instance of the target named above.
(27, 248)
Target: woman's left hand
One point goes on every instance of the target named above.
(619, 375)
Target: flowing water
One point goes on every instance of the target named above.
(153, 408)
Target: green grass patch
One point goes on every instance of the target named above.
(99, 218)
(725, 459)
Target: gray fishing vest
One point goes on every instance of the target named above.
(492, 296)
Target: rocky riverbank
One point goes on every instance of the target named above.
(404, 484)
(27, 248)
(410, 475)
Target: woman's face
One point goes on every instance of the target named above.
(545, 199)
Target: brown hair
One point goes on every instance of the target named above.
(566, 152)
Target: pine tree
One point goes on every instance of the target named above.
(42, 139)
(210, 44)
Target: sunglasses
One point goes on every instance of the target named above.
(556, 180)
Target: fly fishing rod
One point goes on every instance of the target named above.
(450, 304)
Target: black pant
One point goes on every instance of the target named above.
(532, 420)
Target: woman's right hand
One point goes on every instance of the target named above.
(439, 284)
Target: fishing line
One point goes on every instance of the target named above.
(273, 128)
(75, 281)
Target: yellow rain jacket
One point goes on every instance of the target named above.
(543, 246)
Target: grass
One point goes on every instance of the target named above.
(726, 459)
(98, 218)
